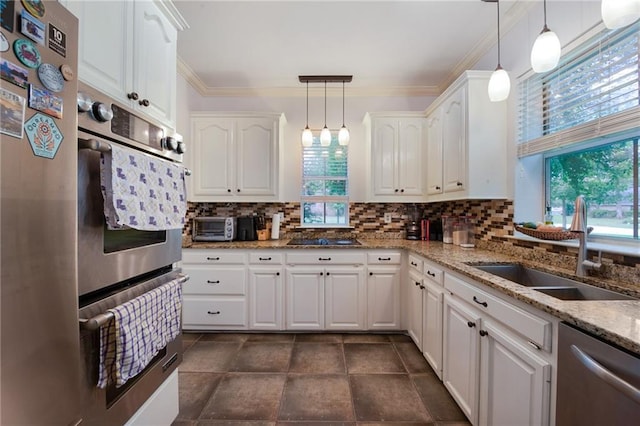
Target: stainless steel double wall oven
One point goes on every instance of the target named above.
(115, 266)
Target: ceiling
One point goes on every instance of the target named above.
(236, 48)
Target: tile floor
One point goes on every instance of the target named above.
(309, 379)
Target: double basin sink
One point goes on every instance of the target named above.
(550, 284)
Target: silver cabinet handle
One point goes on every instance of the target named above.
(607, 376)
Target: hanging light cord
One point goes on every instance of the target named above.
(342, 103)
(325, 103)
(307, 104)
(545, 16)
(498, 8)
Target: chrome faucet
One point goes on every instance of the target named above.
(579, 224)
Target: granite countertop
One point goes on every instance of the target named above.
(617, 321)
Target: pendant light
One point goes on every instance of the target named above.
(619, 13)
(343, 135)
(545, 54)
(307, 136)
(499, 83)
(325, 135)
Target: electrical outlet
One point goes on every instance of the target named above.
(281, 216)
(387, 218)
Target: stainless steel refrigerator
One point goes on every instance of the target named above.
(39, 359)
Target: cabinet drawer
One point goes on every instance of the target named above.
(212, 257)
(433, 273)
(266, 258)
(208, 280)
(326, 257)
(533, 328)
(415, 263)
(383, 258)
(211, 311)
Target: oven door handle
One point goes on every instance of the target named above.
(607, 376)
(94, 145)
(99, 320)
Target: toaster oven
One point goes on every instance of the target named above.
(214, 228)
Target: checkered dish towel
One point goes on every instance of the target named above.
(142, 191)
(140, 329)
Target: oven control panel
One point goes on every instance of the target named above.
(106, 118)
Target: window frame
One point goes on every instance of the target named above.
(325, 199)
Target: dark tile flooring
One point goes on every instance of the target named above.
(308, 379)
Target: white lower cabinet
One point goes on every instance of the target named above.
(325, 298)
(432, 299)
(266, 298)
(414, 298)
(383, 298)
(492, 365)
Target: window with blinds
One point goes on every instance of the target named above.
(593, 93)
(324, 199)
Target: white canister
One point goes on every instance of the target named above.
(275, 226)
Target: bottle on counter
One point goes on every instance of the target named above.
(548, 217)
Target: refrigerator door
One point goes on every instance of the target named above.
(40, 356)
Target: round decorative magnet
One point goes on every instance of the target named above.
(51, 77)
(34, 7)
(27, 52)
(4, 43)
(67, 72)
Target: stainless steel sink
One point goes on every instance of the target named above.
(550, 284)
(323, 242)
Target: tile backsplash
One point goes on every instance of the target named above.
(493, 219)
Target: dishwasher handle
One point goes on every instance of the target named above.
(607, 376)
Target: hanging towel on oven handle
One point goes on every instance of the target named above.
(142, 191)
(140, 329)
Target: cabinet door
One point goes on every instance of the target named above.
(410, 166)
(432, 297)
(211, 158)
(461, 354)
(434, 153)
(256, 155)
(385, 146)
(154, 59)
(305, 298)
(105, 45)
(514, 382)
(414, 290)
(383, 298)
(345, 300)
(454, 142)
(265, 298)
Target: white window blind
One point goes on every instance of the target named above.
(325, 194)
(593, 93)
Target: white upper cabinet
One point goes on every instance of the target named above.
(234, 157)
(397, 156)
(467, 142)
(127, 49)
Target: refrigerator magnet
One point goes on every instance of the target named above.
(13, 73)
(4, 43)
(44, 135)
(67, 72)
(7, 12)
(12, 110)
(34, 7)
(27, 52)
(45, 101)
(57, 40)
(32, 28)
(51, 77)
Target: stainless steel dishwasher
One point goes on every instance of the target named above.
(598, 383)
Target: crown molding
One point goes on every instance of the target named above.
(173, 14)
(511, 17)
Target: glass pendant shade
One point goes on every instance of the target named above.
(620, 13)
(307, 137)
(499, 85)
(546, 51)
(343, 136)
(325, 136)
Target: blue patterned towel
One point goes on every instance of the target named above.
(142, 191)
(140, 329)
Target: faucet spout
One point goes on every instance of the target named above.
(579, 224)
